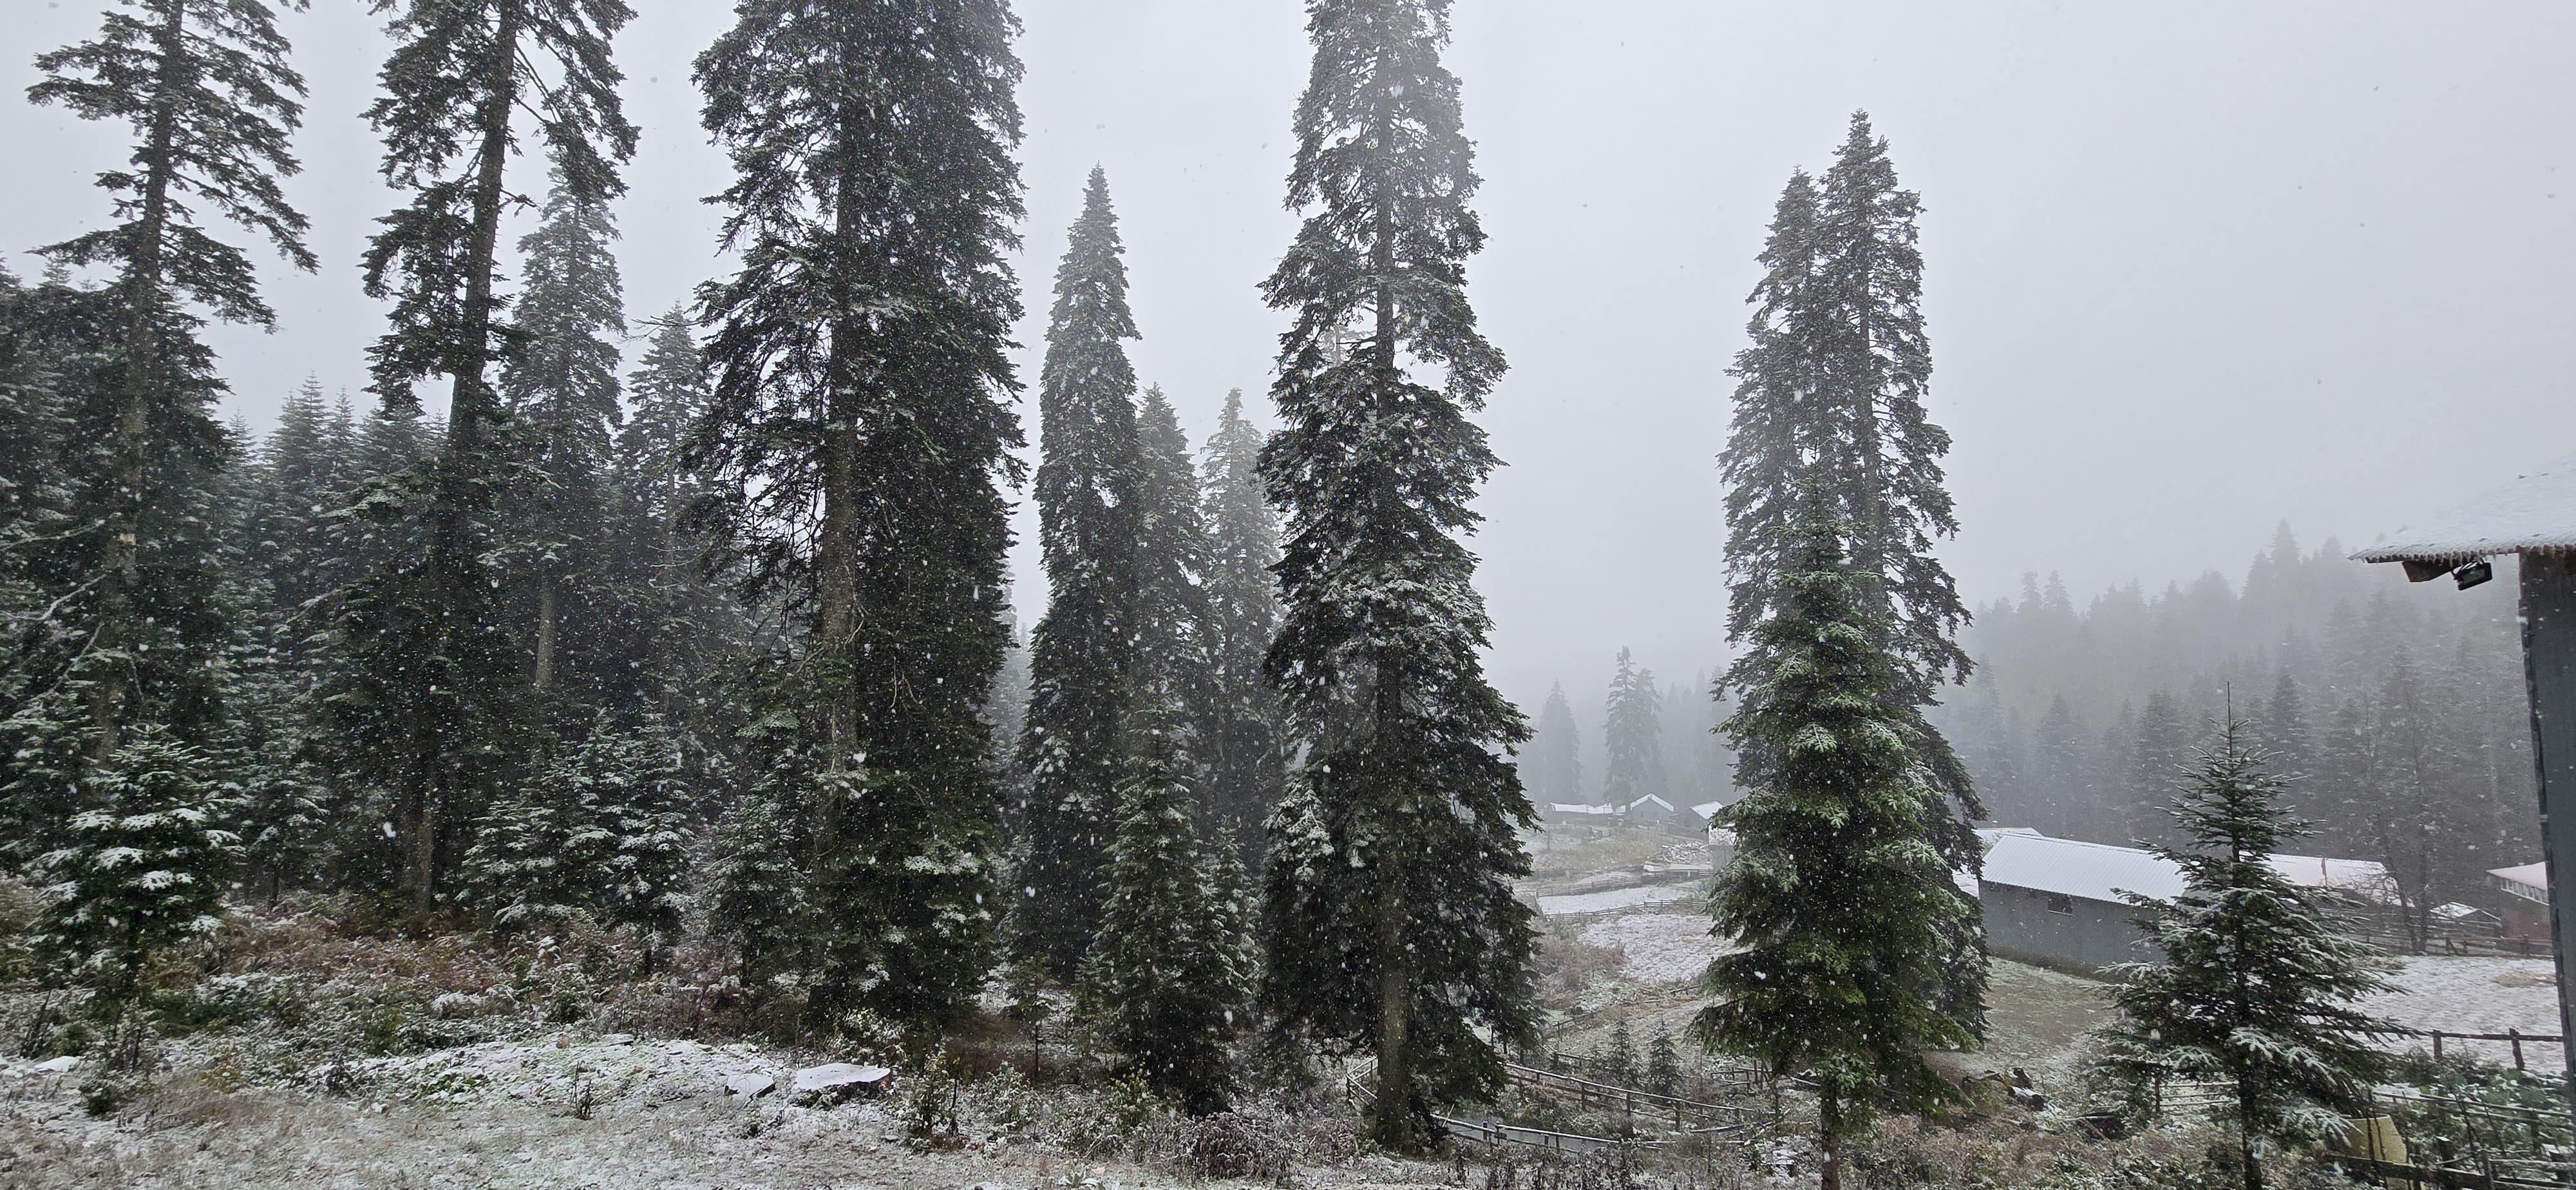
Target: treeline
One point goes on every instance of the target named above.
(720, 649)
(2399, 711)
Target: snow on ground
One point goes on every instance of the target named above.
(2474, 995)
(1658, 947)
(1612, 900)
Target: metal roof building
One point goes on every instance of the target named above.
(2062, 902)
(2533, 516)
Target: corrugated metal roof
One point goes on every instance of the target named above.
(2534, 513)
(2528, 875)
(2071, 867)
(2024, 858)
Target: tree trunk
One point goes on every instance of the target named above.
(2245, 1135)
(469, 404)
(544, 676)
(1830, 1142)
(119, 563)
(1393, 1126)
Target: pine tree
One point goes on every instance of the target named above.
(2162, 750)
(559, 387)
(1618, 1059)
(435, 687)
(1164, 980)
(1241, 750)
(141, 869)
(539, 854)
(2256, 986)
(1552, 766)
(1632, 735)
(751, 885)
(1838, 894)
(1083, 656)
(1664, 1065)
(858, 432)
(1830, 394)
(1389, 918)
(212, 102)
(1171, 553)
(2283, 731)
(644, 806)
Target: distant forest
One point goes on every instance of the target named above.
(2400, 710)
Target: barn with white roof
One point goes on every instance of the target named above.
(2058, 902)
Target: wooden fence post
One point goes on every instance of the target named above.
(2437, 1045)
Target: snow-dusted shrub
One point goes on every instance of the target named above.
(18, 907)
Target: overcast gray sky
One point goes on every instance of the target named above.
(2191, 268)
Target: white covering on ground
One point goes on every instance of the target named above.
(1659, 947)
(1612, 900)
(2474, 995)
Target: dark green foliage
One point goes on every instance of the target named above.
(140, 871)
(2256, 984)
(1389, 915)
(1552, 766)
(857, 434)
(205, 87)
(1829, 405)
(1633, 734)
(1172, 641)
(435, 687)
(1240, 743)
(1165, 981)
(2163, 749)
(1841, 901)
(1085, 653)
(559, 524)
(1663, 1065)
(751, 885)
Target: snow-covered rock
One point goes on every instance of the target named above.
(749, 1086)
(832, 1082)
(61, 1065)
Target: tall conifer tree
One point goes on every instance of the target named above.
(2256, 985)
(1390, 917)
(435, 686)
(1082, 657)
(1829, 405)
(858, 432)
(561, 392)
(1632, 734)
(1241, 749)
(1839, 897)
(1552, 766)
(212, 102)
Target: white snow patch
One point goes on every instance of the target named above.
(1611, 900)
(2474, 995)
(1658, 947)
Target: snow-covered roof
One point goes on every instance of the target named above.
(1650, 798)
(1708, 809)
(2072, 867)
(1575, 808)
(2528, 875)
(2532, 513)
(2346, 875)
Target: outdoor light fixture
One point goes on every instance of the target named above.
(2474, 573)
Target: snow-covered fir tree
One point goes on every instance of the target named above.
(1829, 399)
(1632, 736)
(559, 388)
(1171, 583)
(1552, 765)
(751, 886)
(2256, 985)
(1838, 895)
(1390, 919)
(434, 694)
(141, 869)
(1083, 653)
(1165, 982)
(1240, 745)
(858, 435)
